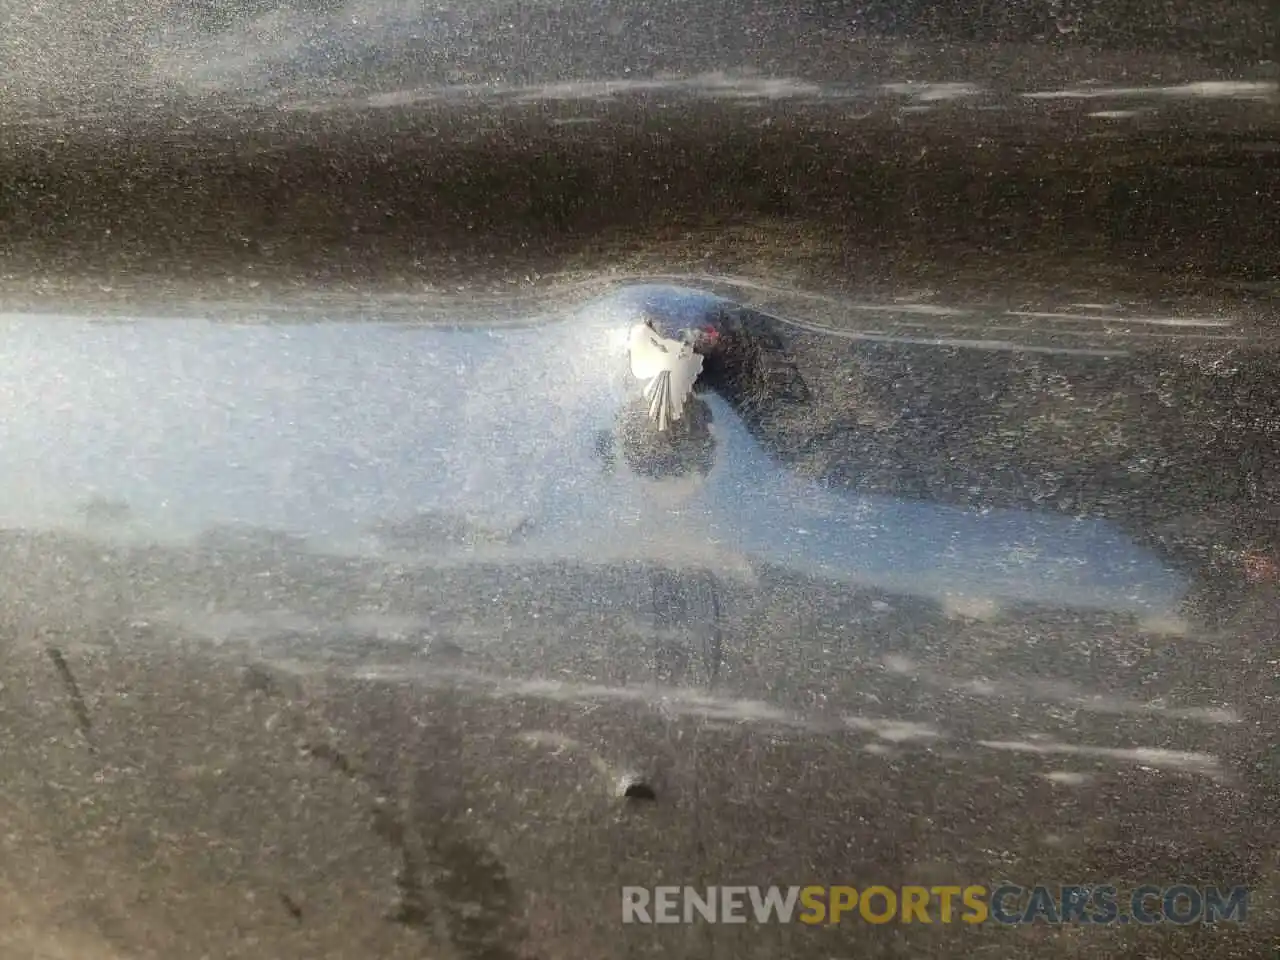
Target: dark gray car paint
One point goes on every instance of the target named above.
(341, 613)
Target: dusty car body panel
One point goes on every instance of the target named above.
(346, 599)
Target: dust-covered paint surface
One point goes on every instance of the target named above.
(351, 607)
(365, 625)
